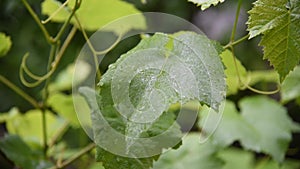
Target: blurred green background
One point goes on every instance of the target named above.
(215, 22)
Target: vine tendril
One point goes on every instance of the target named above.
(231, 46)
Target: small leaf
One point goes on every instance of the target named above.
(191, 155)
(279, 26)
(94, 14)
(5, 44)
(291, 86)
(29, 125)
(206, 3)
(20, 153)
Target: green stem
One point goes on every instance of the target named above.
(231, 46)
(236, 42)
(233, 36)
(75, 157)
(63, 28)
(37, 20)
(19, 91)
(44, 127)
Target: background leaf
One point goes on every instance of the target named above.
(231, 73)
(63, 105)
(235, 158)
(191, 155)
(5, 44)
(94, 14)
(29, 125)
(253, 127)
(278, 21)
(20, 153)
(291, 86)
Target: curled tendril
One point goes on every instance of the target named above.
(94, 51)
(39, 79)
(246, 86)
(55, 12)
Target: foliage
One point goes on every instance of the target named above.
(167, 73)
(278, 22)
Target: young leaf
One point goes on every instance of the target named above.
(5, 44)
(291, 87)
(191, 155)
(20, 153)
(206, 3)
(93, 14)
(278, 21)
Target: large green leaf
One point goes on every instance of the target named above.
(206, 3)
(291, 86)
(5, 44)
(278, 21)
(94, 14)
(160, 71)
(20, 153)
(255, 126)
(191, 155)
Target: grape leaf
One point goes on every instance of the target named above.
(278, 21)
(206, 3)
(94, 14)
(20, 153)
(175, 66)
(191, 155)
(291, 86)
(5, 44)
(254, 127)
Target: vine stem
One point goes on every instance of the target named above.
(75, 157)
(37, 20)
(236, 42)
(231, 46)
(19, 91)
